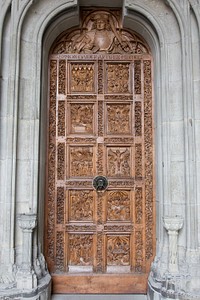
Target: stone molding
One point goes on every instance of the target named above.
(27, 222)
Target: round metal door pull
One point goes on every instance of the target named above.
(100, 183)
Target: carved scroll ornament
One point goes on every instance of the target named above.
(101, 32)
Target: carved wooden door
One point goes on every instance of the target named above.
(100, 123)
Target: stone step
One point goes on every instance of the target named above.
(97, 297)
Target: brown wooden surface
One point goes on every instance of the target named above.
(100, 284)
(100, 123)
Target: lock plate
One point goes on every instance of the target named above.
(100, 183)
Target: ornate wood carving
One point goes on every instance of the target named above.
(82, 118)
(81, 205)
(138, 205)
(100, 123)
(118, 250)
(99, 266)
(51, 165)
(100, 159)
(60, 205)
(62, 77)
(119, 140)
(79, 184)
(148, 149)
(81, 161)
(100, 77)
(101, 32)
(119, 228)
(118, 206)
(119, 118)
(80, 228)
(138, 118)
(118, 97)
(118, 161)
(80, 249)
(81, 97)
(61, 118)
(60, 261)
(122, 184)
(137, 76)
(138, 161)
(100, 118)
(118, 79)
(138, 251)
(78, 140)
(61, 161)
(82, 77)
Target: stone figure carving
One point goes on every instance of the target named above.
(173, 225)
(101, 32)
(37, 268)
(43, 264)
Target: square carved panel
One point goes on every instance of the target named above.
(82, 118)
(118, 206)
(80, 249)
(118, 161)
(118, 250)
(81, 161)
(82, 78)
(81, 205)
(118, 78)
(118, 118)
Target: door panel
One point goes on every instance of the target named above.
(100, 123)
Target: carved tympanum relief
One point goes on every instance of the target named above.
(100, 123)
(101, 32)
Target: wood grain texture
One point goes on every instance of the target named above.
(100, 123)
(97, 284)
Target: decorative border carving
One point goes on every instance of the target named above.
(102, 32)
(51, 164)
(60, 205)
(61, 161)
(148, 149)
(137, 77)
(61, 118)
(60, 261)
(62, 77)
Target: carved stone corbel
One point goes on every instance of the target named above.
(173, 225)
(25, 277)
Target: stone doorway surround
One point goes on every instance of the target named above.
(27, 31)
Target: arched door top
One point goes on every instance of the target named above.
(100, 32)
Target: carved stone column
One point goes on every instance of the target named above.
(26, 278)
(173, 225)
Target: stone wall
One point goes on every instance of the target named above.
(27, 31)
